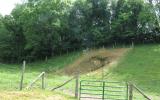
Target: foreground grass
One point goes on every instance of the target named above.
(10, 78)
(34, 95)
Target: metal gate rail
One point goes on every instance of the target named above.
(103, 90)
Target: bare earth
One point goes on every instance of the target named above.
(93, 60)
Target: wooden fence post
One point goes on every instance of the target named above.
(102, 72)
(132, 44)
(113, 46)
(77, 85)
(22, 76)
(43, 81)
(115, 43)
(130, 91)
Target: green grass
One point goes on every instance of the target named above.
(141, 66)
(34, 95)
(55, 63)
(10, 74)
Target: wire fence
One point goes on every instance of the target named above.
(150, 88)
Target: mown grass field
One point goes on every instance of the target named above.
(140, 65)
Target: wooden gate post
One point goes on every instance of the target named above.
(80, 90)
(130, 91)
(77, 85)
(22, 76)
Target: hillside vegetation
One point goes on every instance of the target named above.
(139, 65)
(10, 79)
(65, 37)
(10, 73)
(142, 66)
(39, 29)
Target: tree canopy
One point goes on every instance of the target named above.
(44, 28)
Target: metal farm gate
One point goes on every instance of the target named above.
(103, 90)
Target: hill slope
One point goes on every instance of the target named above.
(93, 60)
(139, 65)
(142, 66)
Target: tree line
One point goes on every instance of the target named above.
(44, 28)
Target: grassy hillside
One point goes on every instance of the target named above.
(140, 65)
(10, 76)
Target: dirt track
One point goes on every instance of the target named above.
(93, 60)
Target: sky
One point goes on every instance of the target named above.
(6, 6)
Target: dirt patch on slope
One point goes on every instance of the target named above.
(94, 59)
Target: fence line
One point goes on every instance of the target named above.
(62, 84)
(42, 75)
(131, 87)
(141, 92)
